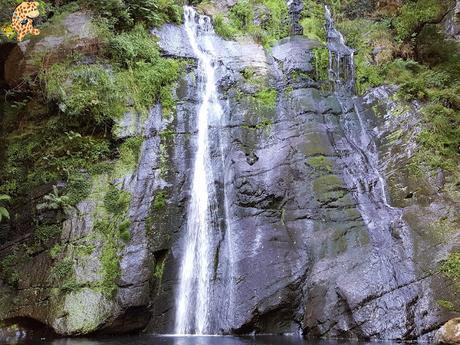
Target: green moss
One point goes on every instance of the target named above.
(266, 98)
(62, 269)
(340, 243)
(159, 201)
(159, 268)
(329, 188)
(9, 268)
(123, 230)
(110, 268)
(44, 233)
(447, 305)
(84, 249)
(116, 201)
(451, 267)
(55, 251)
(78, 188)
(321, 163)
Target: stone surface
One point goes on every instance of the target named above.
(449, 334)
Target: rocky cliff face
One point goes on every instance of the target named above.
(318, 242)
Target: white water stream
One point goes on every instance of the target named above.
(193, 313)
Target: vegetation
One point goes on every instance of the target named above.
(451, 267)
(313, 20)
(265, 20)
(59, 125)
(59, 128)
(402, 44)
(3, 211)
(53, 201)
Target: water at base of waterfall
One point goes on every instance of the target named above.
(190, 340)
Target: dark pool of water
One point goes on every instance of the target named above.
(193, 340)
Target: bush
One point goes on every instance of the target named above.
(134, 46)
(414, 14)
(84, 91)
(274, 23)
(123, 14)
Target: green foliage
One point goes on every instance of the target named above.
(116, 201)
(321, 63)
(137, 45)
(223, 27)
(451, 267)
(62, 269)
(110, 268)
(321, 163)
(145, 81)
(271, 14)
(124, 13)
(413, 14)
(9, 268)
(159, 201)
(78, 188)
(44, 233)
(89, 91)
(129, 151)
(54, 201)
(4, 214)
(266, 98)
(55, 251)
(313, 21)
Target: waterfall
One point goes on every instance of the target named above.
(194, 305)
(361, 166)
(342, 74)
(341, 57)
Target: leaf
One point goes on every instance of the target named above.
(4, 213)
(4, 197)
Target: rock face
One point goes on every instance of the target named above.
(449, 334)
(452, 22)
(314, 240)
(71, 34)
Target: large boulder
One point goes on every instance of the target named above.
(65, 34)
(449, 334)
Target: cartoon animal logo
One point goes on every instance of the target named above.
(22, 21)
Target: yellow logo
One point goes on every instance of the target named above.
(22, 21)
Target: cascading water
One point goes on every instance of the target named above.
(194, 304)
(342, 74)
(361, 164)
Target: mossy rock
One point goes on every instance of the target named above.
(85, 311)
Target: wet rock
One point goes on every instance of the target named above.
(452, 22)
(449, 334)
(295, 11)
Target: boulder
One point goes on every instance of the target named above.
(64, 35)
(449, 334)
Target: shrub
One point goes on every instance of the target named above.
(273, 25)
(136, 45)
(89, 91)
